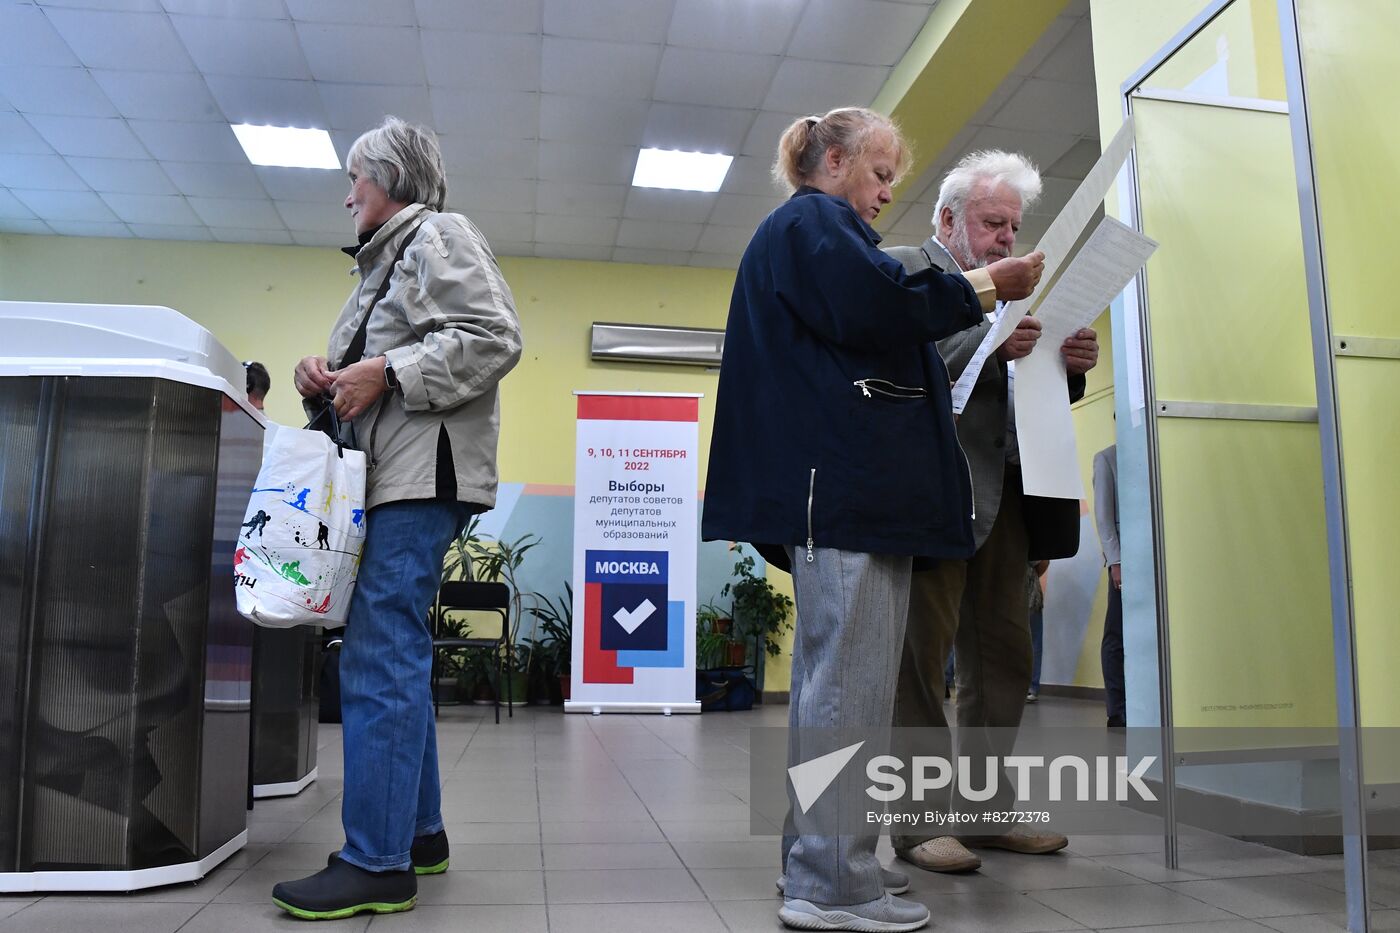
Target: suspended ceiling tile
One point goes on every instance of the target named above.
(712, 78)
(269, 101)
(726, 240)
(229, 9)
(154, 95)
(667, 205)
(571, 199)
(768, 127)
(367, 54)
(1077, 161)
(237, 213)
(573, 251)
(506, 226)
(234, 235)
(359, 107)
(575, 231)
(254, 48)
(654, 257)
(696, 129)
(1052, 107)
(916, 220)
(89, 136)
(313, 217)
(651, 234)
(751, 175)
(863, 32)
(65, 205)
(638, 20)
(30, 39)
(473, 114)
(213, 180)
(171, 232)
(189, 142)
(512, 248)
(20, 225)
(816, 87)
(481, 61)
(123, 176)
(1073, 59)
(147, 6)
(313, 185)
(61, 91)
(467, 194)
(17, 136)
(764, 28)
(1053, 35)
(378, 13)
(91, 229)
(46, 172)
(587, 162)
(480, 15)
(151, 209)
(599, 69)
(592, 119)
(743, 210)
(490, 158)
(11, 208)
(1054, 194)
(121, 40)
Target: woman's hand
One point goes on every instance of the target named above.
(1017, 278)
(358, 386)
(312, 378)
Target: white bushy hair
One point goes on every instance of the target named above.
(990, 167)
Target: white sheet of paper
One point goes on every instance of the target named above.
(1061, 236)
(1107, 262)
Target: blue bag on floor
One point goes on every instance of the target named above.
(725, 689)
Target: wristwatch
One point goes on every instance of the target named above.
(391, 378)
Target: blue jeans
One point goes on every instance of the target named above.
(385, 691)
(1037, 647)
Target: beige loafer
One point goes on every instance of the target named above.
(942, 854)
(1021, 841)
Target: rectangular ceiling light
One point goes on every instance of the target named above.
(684, 171)
(286, 146)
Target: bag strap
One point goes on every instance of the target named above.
(332, 430)
(356, 350)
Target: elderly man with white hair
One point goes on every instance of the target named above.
(979, 605)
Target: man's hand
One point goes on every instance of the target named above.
(1022, 340)
(1081, 351)
(1017, 278)
(357, 386)
(311, 377)
(1115, 576)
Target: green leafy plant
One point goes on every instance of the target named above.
(713, 635)
(554, 633)
(760, 611)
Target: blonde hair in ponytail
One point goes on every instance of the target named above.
(804, 143)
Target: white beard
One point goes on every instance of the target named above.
(961, 246)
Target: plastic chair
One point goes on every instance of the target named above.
(474, 596)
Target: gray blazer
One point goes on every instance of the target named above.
(982, 425)
(1106, 503)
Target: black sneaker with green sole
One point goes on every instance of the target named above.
(343, 890)
(430, 853)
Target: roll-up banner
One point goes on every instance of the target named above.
(635, 539)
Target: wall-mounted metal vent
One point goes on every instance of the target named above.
(643, 343)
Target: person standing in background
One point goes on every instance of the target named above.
(1111, 649)
(1035, 594)
(259, 382)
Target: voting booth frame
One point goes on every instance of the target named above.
(1260, 365)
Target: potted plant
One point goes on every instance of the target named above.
(712, 629)
(552, 644)
(761, 613)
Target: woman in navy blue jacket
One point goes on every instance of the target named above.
(834, 448)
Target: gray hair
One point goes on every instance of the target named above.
(403, 159)
(989, 167)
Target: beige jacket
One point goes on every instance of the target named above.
(448, 326)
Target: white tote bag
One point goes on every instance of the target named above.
(299, 548)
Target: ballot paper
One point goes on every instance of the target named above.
(1102, 268)
(1061, 236)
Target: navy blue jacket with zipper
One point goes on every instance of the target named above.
(833, 421)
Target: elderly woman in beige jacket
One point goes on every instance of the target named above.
(412, 368)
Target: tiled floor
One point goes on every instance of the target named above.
(573, 824)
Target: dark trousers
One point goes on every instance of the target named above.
(1111, 656)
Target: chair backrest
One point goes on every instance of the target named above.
(474, 594)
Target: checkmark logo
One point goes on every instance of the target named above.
(811, 778)
(631, 619)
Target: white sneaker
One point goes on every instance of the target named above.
(894, 882)
(885, 914)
